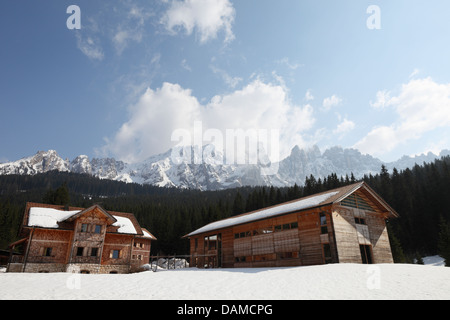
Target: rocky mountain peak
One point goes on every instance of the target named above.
(206, 168)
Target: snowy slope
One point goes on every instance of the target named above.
(337, 281)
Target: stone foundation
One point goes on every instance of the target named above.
(70, 268)
(44, 267)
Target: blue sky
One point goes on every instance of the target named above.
(137, 71)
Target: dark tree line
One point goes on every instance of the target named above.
(419, 195)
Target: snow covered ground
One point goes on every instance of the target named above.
(337, 281)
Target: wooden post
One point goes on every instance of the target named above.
(10, 257)
(28, 250)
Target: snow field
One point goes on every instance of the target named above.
(337, 281)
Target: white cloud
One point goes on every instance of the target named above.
(382, 98)
(185, 65)
(232, 82)
(131, 27)
(309, 96)
(422, 106)
(120, 24)
(152, 121)
(123, 37)
(292, 66)
(207, 17)
(331, 102)
(344, 127)
(160, 112)
(90, 47)
(414, 73)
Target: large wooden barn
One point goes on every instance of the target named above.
(345, 225)
(68, 239)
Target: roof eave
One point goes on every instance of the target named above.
(194, 233)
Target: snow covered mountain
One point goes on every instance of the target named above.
(205, 169)
(42, 161)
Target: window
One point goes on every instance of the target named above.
(323, 219)
(94, 252)
(138, 245)
(115, 254)
(211, 242)
(241, 235)
(366, 254)
(266, 230)
(265, 257)
(323, 223)
(98, 228)
(360, 220)
(288, 255)
(84, 227)
(80, 251)
(212, 245)
(286, 226)
(47, 252)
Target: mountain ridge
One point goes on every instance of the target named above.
(181, 167)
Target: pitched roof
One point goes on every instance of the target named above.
(49, 216)
(147, 234)
(75, 216)
(313, 201)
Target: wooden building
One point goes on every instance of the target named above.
(68, 239)
(345, 225)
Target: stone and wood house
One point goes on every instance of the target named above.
(86, 240)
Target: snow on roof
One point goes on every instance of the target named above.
(267, 213)
(125, 225)
(148, 234)
(49, 218)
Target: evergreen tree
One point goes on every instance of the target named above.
(444, 241)
(419, 259)
(310, 185)
(59, 197)
(396, 248)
